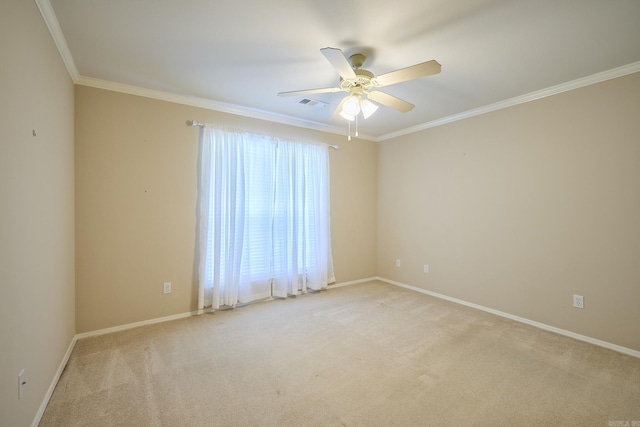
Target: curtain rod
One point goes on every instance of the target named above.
(194, 123)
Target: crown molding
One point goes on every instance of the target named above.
(51, 20)
(554, 90)
(49, 16)
(308, 124)
(213, 105)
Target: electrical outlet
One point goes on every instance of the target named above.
(21, 383)
(167, 288)
(426, 268)
(578, 301)
(397, 263)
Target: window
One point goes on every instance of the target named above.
(263, 217)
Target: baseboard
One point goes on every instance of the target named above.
(97, 332)
(54, 383)
(539, 325)
(615, 347)
(353, 282)
(138, 324)
(65, 359)
(183, 315)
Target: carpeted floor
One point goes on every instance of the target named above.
(364, 355)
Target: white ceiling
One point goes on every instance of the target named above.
(237, 55)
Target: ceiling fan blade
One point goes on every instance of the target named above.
(390, 101)
(310, 91)
(415, 71)
(339, 62)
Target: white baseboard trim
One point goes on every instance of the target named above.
(65, 359)
(539, 325)
(353, 282)
(183, 315)
(138, 324)
(54, 383)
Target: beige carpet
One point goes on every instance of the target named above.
(363, 355)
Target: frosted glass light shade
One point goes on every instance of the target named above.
(347, 116)
(368, 108)
(351, 106)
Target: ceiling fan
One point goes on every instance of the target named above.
(363, 87)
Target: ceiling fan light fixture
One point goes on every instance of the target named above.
(347, 116)
(351, 107)
(358, 83)
(368, 108)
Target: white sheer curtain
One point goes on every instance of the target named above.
(263, 214)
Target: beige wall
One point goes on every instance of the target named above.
(519, 209)
(36, 210)
(515, 210)
(136, 174)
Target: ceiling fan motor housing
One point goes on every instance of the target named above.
(363, 81)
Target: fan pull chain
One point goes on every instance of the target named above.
(356, 125)
(349, 137)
